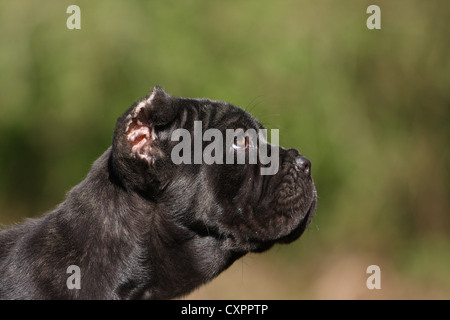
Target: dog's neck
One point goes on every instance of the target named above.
(133, 229)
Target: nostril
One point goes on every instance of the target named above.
(303, 164)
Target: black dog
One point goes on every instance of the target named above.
(142, 227)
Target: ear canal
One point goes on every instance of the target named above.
(156, 109)
(160, 107)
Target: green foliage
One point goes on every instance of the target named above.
(369, 108)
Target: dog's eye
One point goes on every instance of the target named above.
(240, 142)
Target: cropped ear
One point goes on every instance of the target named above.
(160, 107)
(138, 124)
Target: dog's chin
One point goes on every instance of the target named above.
(286, 233)
(301, 227)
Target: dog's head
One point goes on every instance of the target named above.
(201, 161)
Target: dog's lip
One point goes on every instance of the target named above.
(310, 213)
(298, 231)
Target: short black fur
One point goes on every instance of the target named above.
(140, 227)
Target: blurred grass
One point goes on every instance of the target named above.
(370, 109)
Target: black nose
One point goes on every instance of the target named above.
(303, 164)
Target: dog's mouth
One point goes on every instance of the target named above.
(291, 232)
(298, 231)
(284, 211)
(265, 227)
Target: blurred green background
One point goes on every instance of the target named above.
(369, 108)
